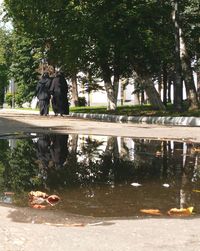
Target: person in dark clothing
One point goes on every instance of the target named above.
(59, 149)
(59, 92)
(43, 93)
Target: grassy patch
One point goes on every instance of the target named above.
(137, 110)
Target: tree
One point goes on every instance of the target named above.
(4, 63)
(110, 39)
(25, 63)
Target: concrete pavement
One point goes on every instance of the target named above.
(27, 120)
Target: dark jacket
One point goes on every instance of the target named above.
(43, 89)
(59, 90)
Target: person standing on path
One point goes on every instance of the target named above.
(59, 92)
(43, 94)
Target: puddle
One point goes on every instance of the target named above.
(100, 176)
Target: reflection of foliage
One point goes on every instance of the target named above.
(91, 162)
(4, 147)
(21, 166)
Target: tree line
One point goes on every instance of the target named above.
(150, 40)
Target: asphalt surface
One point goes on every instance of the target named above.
(78, 233)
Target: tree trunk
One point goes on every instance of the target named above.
(188, 75)
(178, 93)
(74, 91)
(164, 83)
(198, 84)
(152, 94)
(112, 92)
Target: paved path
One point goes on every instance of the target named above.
(22, 120)
(153, 234)
(149, 234)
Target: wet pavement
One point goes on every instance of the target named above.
(30, 229)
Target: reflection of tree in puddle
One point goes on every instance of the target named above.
(57, 161)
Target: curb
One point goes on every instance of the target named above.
(175, 121)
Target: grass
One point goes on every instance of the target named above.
(137, 110)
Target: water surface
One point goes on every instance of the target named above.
(100, 176)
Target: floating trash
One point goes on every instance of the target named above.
(135, 184)
(38, 194)
(166, 185)
(38, 198)
(53, 199)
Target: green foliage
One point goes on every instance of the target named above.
(82, 101)
(9, 98)
(25, 62)
(4, 146)
(104, 38)
(4, 63)
(20, 166)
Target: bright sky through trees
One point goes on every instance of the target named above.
(7, 25)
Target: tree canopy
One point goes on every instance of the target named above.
(109, 38)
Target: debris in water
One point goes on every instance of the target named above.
(37, 199)
(151, 211)
(53, 199)
(180, 212)
(166, 185)
(196, 191)
(135, 184)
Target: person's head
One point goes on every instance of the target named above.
(45, 75)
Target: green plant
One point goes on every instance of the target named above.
(9, 98)
(82, 101)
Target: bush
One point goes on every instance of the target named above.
(8, 99)
(82, 101)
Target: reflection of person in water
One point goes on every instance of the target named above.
(52, 151)
(43, 155)
(43, 152)
(59, 149)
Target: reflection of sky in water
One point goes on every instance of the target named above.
(101, 175)
(6, 199)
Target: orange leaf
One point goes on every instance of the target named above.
(53, 199)
(38, 206)
(151, 211)
(196, 191)
(181, 211)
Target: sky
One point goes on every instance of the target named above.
(6, 25)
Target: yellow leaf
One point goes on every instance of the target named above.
(180, 212)
(196, 191)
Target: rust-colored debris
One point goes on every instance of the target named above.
(180, 212)
(151, 211)
(41, 200)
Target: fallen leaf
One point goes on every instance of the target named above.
(53, 199)
(195, 149)
(196, 191)
(9, 193)
(37, 206)
(65, 225)
(180, 212)
(151, 211)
